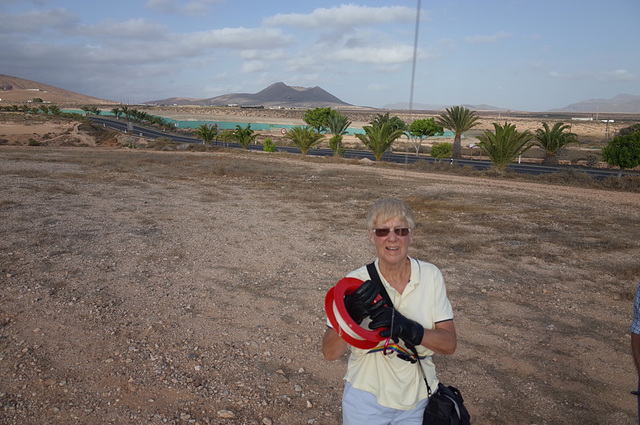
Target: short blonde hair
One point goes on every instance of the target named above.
(385, 209)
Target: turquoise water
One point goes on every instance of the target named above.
(224, 125)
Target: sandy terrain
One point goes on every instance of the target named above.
(187, 288)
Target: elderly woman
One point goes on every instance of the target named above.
(385, 386)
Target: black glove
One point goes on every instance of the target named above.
(360, 301)
(410, 331)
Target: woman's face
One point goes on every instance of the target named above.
(392, 249)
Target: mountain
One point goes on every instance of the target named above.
(622, 103)
(276, 95)
(19, 90)
(424, 107)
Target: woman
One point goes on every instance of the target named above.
(385, 386)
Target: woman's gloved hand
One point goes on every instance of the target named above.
(398, 326)
(360, 301)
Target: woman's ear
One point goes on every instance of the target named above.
(371, 237)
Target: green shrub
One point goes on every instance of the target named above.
(441, 150)
(268, 145)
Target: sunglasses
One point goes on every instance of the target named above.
(400, 231)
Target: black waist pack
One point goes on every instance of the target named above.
(446, 407)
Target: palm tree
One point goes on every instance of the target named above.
(126, 111)
(457, 119)
(395, 121)
(117, 112)
(244, 136)
(141, 115)
(304, 137)
(55, 110)
(505, 144)
(554, 140)
(338, 125)
(207, 133)
(379, 137)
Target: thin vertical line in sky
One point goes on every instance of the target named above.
(415, 54)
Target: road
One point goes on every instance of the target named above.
(403, 158)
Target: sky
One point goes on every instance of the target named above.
(527, 55)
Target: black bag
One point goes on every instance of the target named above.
(446, 407)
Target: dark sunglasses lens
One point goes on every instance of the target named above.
(381, 232)
(402, 232)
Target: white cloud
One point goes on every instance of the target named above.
(494, 38)
(377, 87)
(254, 66)
(346, 15)
(139, 28)
(240, 38)
(60, 20)
(262, 54)
(618, 75)
(375, 55)
(192, 8)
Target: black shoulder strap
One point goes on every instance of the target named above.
(375, 277)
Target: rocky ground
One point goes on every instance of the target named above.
(187, 287)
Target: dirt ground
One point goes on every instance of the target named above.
(187, 287)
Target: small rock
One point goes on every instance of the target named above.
(226, 414)
(267, 421)
(309, 405)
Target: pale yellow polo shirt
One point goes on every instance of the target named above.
(397, 383)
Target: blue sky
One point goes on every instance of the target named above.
(531, 55)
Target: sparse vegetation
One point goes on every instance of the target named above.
(623, 151)
(457, 119)
(268, 145)
(504, 144)
(554, 140)
(304, 138)
(379, 137)
(441, 150)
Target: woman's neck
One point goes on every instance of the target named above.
(397, 275)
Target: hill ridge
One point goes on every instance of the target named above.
(276, 95)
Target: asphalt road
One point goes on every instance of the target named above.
(403, 158)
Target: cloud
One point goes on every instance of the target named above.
(375, 55)
(377, 87)
(58, 20)
(241, 38)
(618, 75)
(254, 66)
(494, 38)
(139, 29)
(191, 8)
(348, 15)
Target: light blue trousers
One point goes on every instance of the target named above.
(361, 408)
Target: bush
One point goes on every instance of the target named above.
(268, 145)
(623, 151)
(441, 150)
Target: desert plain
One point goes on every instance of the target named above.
(152, 287)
